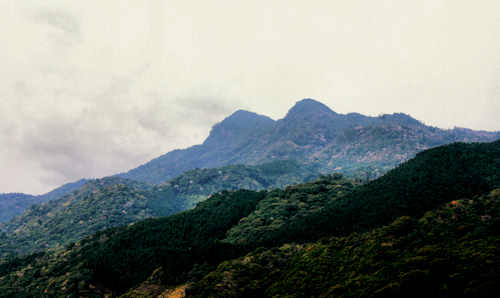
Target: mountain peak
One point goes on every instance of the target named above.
(308, 107)
(242, 119)
(400, 118)
(238, 125)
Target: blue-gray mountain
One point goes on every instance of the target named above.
(115, 201)
(311, 132)
(14, 204)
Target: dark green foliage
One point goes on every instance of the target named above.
(116, 259)
(280, 208)
(458, 242)
(451, 252)
(114, 201)
(175, 243)
(97, 205)
(421, 184)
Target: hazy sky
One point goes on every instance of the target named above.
(92, 88)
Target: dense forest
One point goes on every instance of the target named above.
(432, 178)
(453, 251)
(402, 240)
(113, 260)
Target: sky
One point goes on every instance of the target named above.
(93, 88)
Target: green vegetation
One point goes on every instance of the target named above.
(15, 204)
(116, 259)
(432, 178)
(114, 201)
(99, 204)
(453, 251)
(450, 252)
(280, 208)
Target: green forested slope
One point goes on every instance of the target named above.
(433, 177)
(14, 204)
(453, 251)
(116, 259)
(281, 208)
(119, 259)
(114, 201)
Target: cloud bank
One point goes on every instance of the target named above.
(94, 88)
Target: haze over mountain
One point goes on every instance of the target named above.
(113, 85)
(14, 204)
(310, 133)
(250, 148)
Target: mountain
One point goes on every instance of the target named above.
(184, 239)
(433, 177)
(114, 201)
(187, 246)
(226, 138)
(311, 132)
(63, 190)
(449, 252)
(14, 204)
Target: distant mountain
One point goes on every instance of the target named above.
(311, 132)
(63, 190)
(14, 204)
(451, 250)
(114, 201)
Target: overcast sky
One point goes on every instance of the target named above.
(92, 88)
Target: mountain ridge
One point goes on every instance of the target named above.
(14, 204)
(310, 133)
(190, 245)
(114, 201)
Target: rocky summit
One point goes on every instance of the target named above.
(311, 132)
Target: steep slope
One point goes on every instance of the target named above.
(189, 244)
(113, 260)
(433, 177)
(114, 201)
(63, 190)
(281, 208)
(226, 139)
(453, 251)
(14, 204)
(352, 144)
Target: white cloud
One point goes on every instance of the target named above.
(91, 88)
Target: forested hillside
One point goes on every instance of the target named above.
(185, 247)
(453, 251)
(432, 178)
(110, 202)
(14, 204)
(115, 259)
